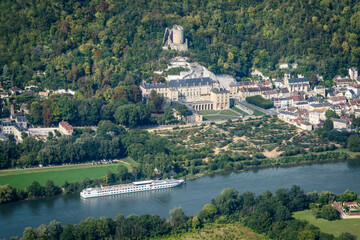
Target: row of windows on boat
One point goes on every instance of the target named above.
(133, 188)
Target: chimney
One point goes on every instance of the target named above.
(12, 110)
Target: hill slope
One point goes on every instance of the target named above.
(92, 45)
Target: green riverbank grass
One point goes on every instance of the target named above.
(21, 178)
(333, 227)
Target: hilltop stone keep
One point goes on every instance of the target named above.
(174, 39)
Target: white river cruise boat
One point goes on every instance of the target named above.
(130, 188)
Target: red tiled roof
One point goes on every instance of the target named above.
(66, 125)
(349, 203)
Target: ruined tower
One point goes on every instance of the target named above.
(174, 39)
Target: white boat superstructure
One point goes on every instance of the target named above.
(130, 188)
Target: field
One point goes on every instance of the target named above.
(333, 227)
(22, 178)
(220, 231)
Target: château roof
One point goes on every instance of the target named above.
(190, 82)
(154, 85)
(219, 90)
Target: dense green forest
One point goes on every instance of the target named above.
(95, 45)
(268, 214)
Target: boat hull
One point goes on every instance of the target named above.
(125, 189)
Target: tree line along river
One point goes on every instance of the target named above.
(334, 177)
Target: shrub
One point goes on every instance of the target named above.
(260, 101)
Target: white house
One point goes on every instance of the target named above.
(353, 73)
(350, 94)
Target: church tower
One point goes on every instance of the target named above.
(286, 77)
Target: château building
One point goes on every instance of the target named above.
(200, 93)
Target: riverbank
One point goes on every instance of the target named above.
(277, 163)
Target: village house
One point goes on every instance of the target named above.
(350, 94)
(4, 95)
(236, 88)
(337, 99)
(314, 117)
(15, 90)
(301, 123)
(281, 103)
(278, 83)
(353, 73)
(321, 90)
(343, 82)
(65, 128)
(287, 116)
(341, 124)
(43, 94)
(317, 106)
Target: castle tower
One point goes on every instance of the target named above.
(178, 34)
(174, 39)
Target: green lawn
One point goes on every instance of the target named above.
(207, 112)
(238, 110)
(72, 173)
(218, 114)
(256, 112)
(333, 227)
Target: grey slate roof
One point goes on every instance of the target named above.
(288, 113)
(325, 104)
(298, 80)
(154, 85)
(21, 119)
(190, 82)
(242, 83)
(2, 136)
(221, 90)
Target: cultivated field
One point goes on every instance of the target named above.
(333, 227)
(21, 178)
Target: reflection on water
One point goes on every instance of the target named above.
(353, 163)
(335, 177)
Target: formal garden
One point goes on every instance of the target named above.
(264, 137)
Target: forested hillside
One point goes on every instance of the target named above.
(93, 45)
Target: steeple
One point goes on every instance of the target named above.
(287, 77)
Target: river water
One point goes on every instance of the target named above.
(334, 177)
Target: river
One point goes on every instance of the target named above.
(334, 177)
